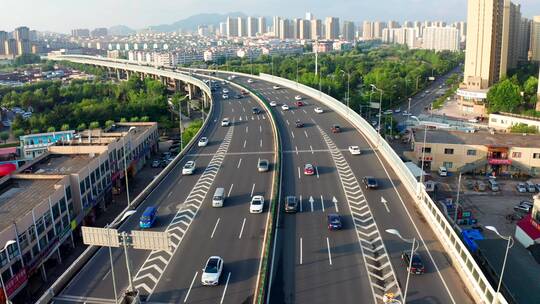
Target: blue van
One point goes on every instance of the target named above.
(148, 218)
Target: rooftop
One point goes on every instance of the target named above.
(19, 196)
(484, 138)
(54, 164)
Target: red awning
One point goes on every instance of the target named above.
(7, 151)
(6, 169)
(528, 228)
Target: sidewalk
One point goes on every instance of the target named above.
(36, 287)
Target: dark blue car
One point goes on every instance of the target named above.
(148, 218)
(334, 221)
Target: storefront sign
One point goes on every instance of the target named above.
(497, 161)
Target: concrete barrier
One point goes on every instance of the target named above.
(79, 263)
(462, 260)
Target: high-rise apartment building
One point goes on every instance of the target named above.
(367, 30)
(393, 24)
(316, 29)
(309, 16)
(332, 28)
(3, 38)
(242, 27)
(348, 31)
(261, 25)
(510, 35)
(378, 26)
(80, 33)
(276, 26)
(524, 39)
(99, 32)
(252, 26)
(223, 29)
(441, 38)
(534, 48)
(10, 47)
(305, 29)
(286, 29)
(22, 33)
(232, 27)
(296, 28)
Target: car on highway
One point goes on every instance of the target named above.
(225, 96)
(417, 266)
(388, 112)
(374, 123)
(291, 204)
(212, 271)
(336, 129)
(299, 124)
(318, 110)
(285, 107)
(257, 204)
(299, 103)
(250, 80)
(334, 221)
(521, 187)
(273, 103)
(255, 110)
(155, 163)
(203, 142)
(188, 168)
(355, 150)
(263, 165)
(238, 96)
(398, 110)
(297, 97)
(225, 122)
(309, 169)
(370, 182)
(148, 217)
(276, 87)
(225, 91)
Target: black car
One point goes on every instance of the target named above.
(334, 221)
(417, 266)
(255, 110)
(291, 204)
(370, 182)
(238, 96)
(299, 124)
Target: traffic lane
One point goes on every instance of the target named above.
(221, 231)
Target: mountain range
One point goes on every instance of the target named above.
(187, 24)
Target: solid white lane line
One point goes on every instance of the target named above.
(170, 193)
(232, 110)
(296, 148)
(191, 286)
(215, 227)
(260, 129)
(292, 111)
(242, 229)
(304, 111)
(329, 254)
(335, 204)
(322, 203)
(230, 190)
(292, 134)
(258, 117)
(245, 142)
(301, 251)
(225, 290)
(305, 132)
(311, 148)
(287, 121)
(311, 203)
(300, 202)
(239, 162)
(252, 189)
(317, 171)
(243, 109)
(247, 118)
(247, 127)
(298, 172)
(105, 276)
(260, 145)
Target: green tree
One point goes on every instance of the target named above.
(65, 127)
(134, 119)
(4, 136)
(18, 133)
(51, 129)
(145, 119)
(530, 88)
(109, 123)
(81, 127)
(94, 125)
(123, 119)
(523, 128)
(504, 97)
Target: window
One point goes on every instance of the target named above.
(70, 208)
(448, 165)
(62, 204)
(32, 233)
(56, 211)
(448, 151)
(16, 267)
(58, 227)
(68, 193)
(6, 275)
(494, 120)
(50, 235)
(65, 221)
(536, 155)
(23, 241)
(35, 250)
(81, 185)
(426, 150)
(43, 242)
(40, 226)
(47, 219)
(516, 154)
(3, 258)
(87, 181)
(471, 152)
(13, 251)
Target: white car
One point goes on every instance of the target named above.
(225, 96)
(233, 76)
(229, 78)
(225, 122)
(284, 107)
(203, 141)
(212, 271)
(257, 204)
(250, 80)
(225, 91)
(273, 103)
(276, 87)
(319, 110)
(397, 110)
(388, 112)
(355, 150)
(297, 97)
(188, 168)
(405, 113)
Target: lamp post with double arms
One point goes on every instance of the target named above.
(414, 247)
(8, 243)
(510, 243)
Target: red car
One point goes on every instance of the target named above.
(336, 129)
(308, 169)
(299, 103)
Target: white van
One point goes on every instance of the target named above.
(530, 187)
(218, 198)
(443, 171)
(493, 185)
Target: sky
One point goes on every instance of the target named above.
(64, 15)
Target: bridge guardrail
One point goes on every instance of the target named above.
(71, 271)
(464, 263)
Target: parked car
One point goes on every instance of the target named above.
(155, 163)
(225, 96)
(370, 182)
(417, 266)
(257, 204)
(355, 150)
(521, 188)
(336, 129)
(318, 110)
(212, 271)
(334, 221)
(225, 91)
(531, 187)
(309, 169)
(291, 204)
(238, 96)
(188, 168)
(263, 165)
(522, 207)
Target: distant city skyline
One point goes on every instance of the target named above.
(64, 15)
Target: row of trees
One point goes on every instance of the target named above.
(398, 71)
(514, 95)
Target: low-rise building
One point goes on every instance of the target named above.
(33, 145)
(505, 121)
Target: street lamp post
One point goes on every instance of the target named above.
(125, 165)
(509, 245)
(348, 90)
(413, 249)
(297, 64)
(380, 105)
(457, 199)
(10, 242)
